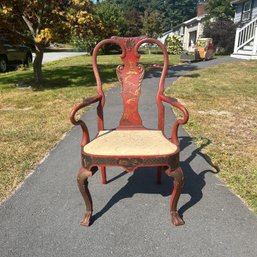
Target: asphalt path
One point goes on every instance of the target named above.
(131, 212)
(54, 56)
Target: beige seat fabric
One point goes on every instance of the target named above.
(130, 142)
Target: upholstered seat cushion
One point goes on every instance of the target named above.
(130, 143)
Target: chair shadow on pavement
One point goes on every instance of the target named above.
(143, 181)
(195, 179)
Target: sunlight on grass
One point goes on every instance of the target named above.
(222, 106)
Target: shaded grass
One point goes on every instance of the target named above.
(222, 105)
(34, 119)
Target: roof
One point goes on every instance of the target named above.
(166, 33)
(197, 18)
(238, 1)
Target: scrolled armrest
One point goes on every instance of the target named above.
(174, 133)
(75, 109)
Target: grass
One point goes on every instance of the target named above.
(33, 120)
(222, 105)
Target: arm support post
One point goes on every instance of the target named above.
(75, 109)
(174, 133)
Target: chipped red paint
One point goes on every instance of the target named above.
(130, 75)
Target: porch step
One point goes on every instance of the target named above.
(244, 56)
(245, 52)
(248, 48)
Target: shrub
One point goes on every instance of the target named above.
(223, 34)
(84, 44)
(174, 44)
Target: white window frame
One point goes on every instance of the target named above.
(246, 13)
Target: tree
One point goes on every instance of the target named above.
(140, 5)
(111, 17)
(45, 20)
(134, 23)
(112, 22)
(173, 12)
(109, 20)
(222, 31)
(220, 9)
(176, 12)
(151, 23)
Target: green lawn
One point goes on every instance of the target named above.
(33, 120)
(223, 114)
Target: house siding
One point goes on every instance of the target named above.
(254, 13)
(238, 13)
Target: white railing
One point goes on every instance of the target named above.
(255, 42)
(245, 35)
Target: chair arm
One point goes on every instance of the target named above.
(75, 109)
(174, 133)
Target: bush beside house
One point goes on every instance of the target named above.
(174, 45)
(223, 34)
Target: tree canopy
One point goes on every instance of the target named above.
(90, 21)
(46, 20)
(171, 12)
(220, 9)
(151, 23)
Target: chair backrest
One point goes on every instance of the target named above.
(130, 75)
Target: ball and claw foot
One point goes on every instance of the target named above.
(176, 219)
(86, 221)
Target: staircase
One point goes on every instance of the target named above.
(246, 41)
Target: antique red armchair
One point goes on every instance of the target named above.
(130, 145)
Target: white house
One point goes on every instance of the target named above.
(189, 31)
(246, 33)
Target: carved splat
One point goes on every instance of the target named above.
(130, 75)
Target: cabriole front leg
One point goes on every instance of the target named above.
(82, 180)
(178, 186)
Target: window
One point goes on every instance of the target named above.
(246, 15)
(192, 39)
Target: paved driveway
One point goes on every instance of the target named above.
(131, 212)
(54, 56)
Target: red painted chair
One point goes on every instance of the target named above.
(130, 145)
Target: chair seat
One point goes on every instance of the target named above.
(130, 143)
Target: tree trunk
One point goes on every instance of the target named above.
(37, 64)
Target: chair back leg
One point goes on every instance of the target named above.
(103, 172)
